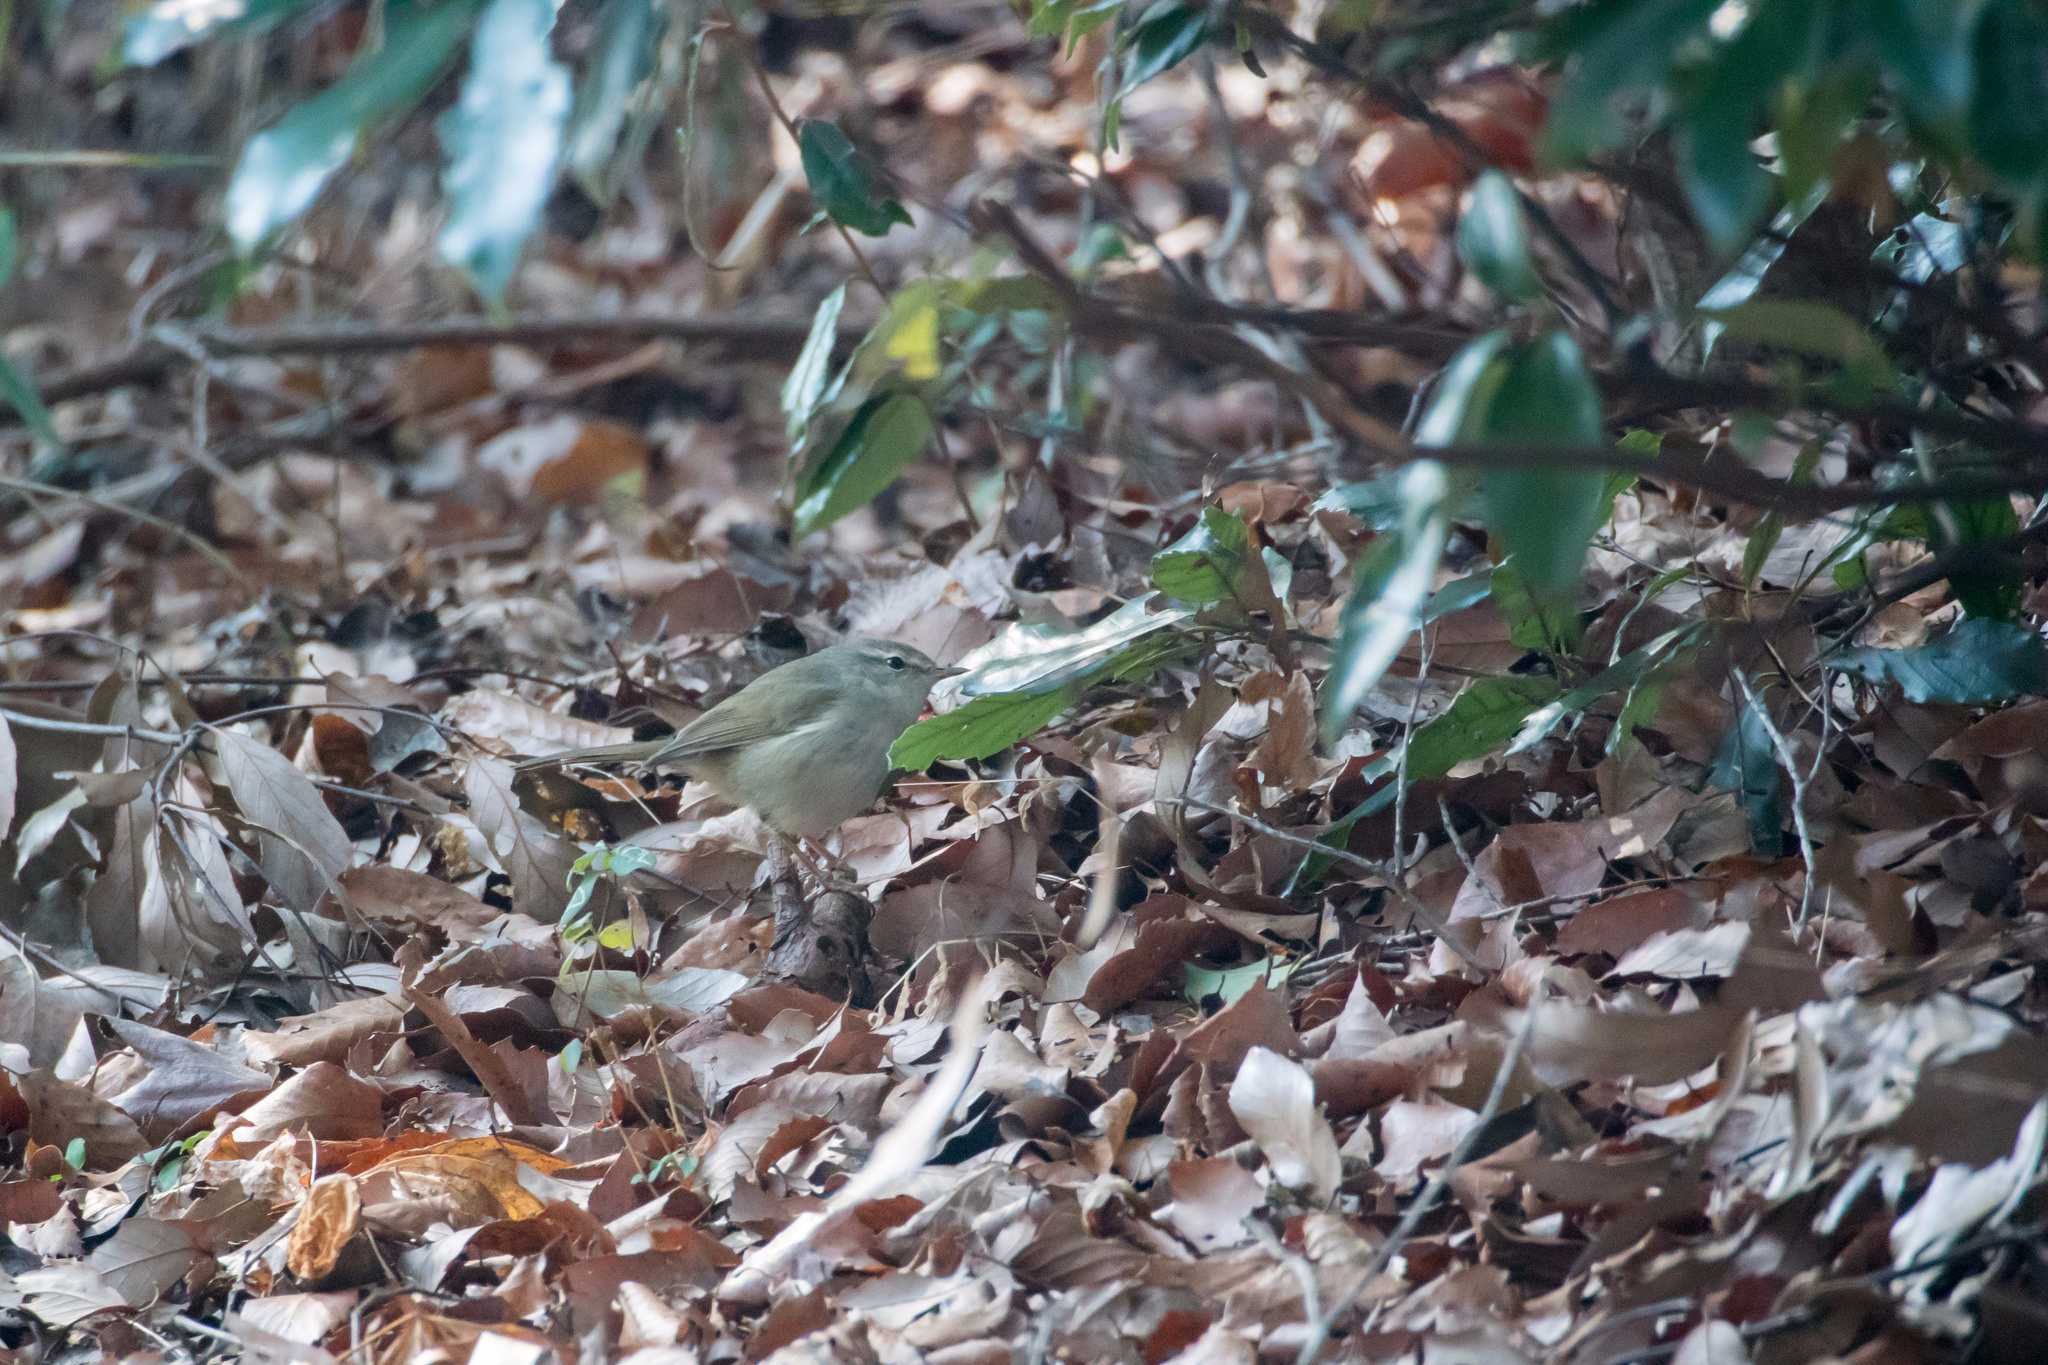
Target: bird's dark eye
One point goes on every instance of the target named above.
(896, 662)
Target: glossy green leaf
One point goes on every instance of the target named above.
(1168, 34)
(1482, 718)
(843, 185)
(1808, 328)
(885, 435)
(21, 396)
(10, 245)
(1387, 601)
(1547, 624)
(1377, 503)
(1071, 20)
(283, 168)
(1994, 586)
(1040, 658)
(1746, 276)
(1747, 764)
(621, 59)
(1478, 721)
(1728, 190)
(804, 388)
(1493, 239)
(1464, 392)
(1926, 52)
(1456, 596)
(1018, 682)
(1617, 49)
(2008, 111)
(503, 138)
(1980, 662)
(985, 726)
(170, 26)
(1208, 563)
(1620, 676)
(1545, 517)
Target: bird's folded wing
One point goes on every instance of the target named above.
(754, 714)
(711, 732)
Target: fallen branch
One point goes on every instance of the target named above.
(754, 338)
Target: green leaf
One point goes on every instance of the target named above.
(622, 57)
(842, 182)
(805, 386)
(1456, 596)
(503, 137)
(904, 345)
(1379, 504)
(597, 866)
(15, 390)
(1620, 676)
(17, 393)
(1926, 52)
(1482, 718)
(885, 435)
(1463, 392)
(1493, 239)
(1045, 672)
(1616, 49)
(1546, 517)
(1994, 585)
(283, 168)
(1979, 663)
(1808, 328)
(1387, 602)
(1728, 190)
(2008, 114)
(987, 725)
(1208, 563)
(1746, 276)
(1747, 764)
(1542, 624)
(1165, 37)
(1071, 20)
(1812, 117)
(1041, 658)
(172, 25)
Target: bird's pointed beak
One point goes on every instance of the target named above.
(954, 672)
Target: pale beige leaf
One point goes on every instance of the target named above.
(1275, 1099)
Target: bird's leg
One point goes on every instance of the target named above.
(823, 863)
(785, 883)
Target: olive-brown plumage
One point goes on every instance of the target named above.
(806, 744)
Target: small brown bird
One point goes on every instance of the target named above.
(805, 745)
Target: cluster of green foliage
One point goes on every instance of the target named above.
(1758, 101)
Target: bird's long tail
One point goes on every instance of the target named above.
(638, 752)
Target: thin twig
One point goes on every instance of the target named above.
(763, 338)
(1510, 1062)
(1409, 901)
(203, 547)
(1790, 759)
